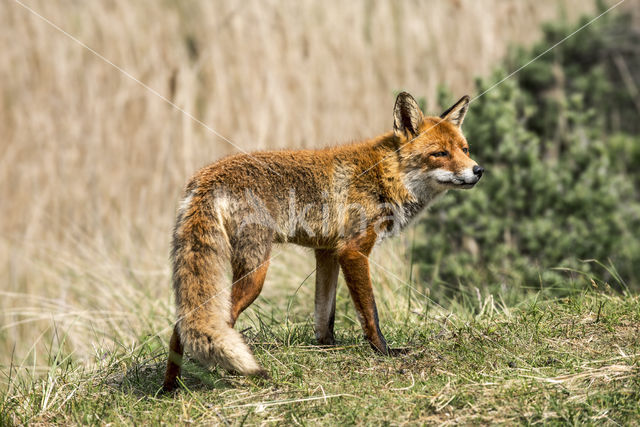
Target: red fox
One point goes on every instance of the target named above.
(340, 201)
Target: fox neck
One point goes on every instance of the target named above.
(422, 196)
(415, 190)
(421, 187)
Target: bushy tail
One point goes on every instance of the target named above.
(200, 250)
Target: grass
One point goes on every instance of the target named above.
(570, 360)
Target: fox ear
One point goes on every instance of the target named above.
(456, 113)
(406, 116)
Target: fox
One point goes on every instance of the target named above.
(339, 201)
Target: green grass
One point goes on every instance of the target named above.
(571, 360)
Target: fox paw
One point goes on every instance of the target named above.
(170, 386)
(326, 341)
(398, 351)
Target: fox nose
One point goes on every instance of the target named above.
(478, 170)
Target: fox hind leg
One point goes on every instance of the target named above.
(327, 269)
(174, 362)
(249, 262)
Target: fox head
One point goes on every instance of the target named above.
(433, 151)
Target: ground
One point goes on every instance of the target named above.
(570, 360)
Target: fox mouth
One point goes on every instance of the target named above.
(466, 185)
(459, 183)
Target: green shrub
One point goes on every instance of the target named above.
(561, 146)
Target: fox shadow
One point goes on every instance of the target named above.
(145, 378)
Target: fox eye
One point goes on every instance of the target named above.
(465, 150)
(440, 154)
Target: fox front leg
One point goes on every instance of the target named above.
(355, 266)
(327, 269)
